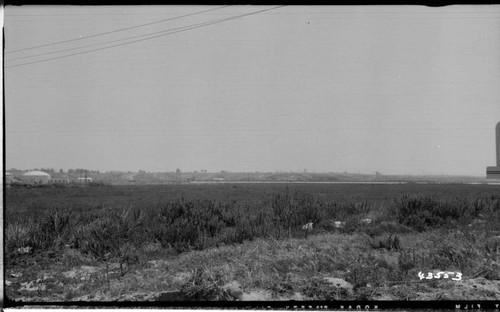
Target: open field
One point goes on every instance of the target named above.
(245, 242)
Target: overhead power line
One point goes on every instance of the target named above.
(108, 42)
(169, 32)
(113, 31)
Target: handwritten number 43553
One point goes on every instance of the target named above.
(431, 275)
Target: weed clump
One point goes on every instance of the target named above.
(423, 213)
(19, 235)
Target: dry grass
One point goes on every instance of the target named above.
(282, 269)
(197, 248)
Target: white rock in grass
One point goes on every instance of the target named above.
(339, 283)
(69, 274)
(82, 272)
(339, 224)
(234, 289)
(183, 277)
(308, 226)
(366, 221)
(257, 295)
(24, 250)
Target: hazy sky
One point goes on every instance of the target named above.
(394, 89)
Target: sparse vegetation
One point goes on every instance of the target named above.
(205, 237)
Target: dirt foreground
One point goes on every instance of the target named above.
(328, 266)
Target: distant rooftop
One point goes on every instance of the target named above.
(36, 173)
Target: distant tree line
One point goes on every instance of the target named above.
(53, 171)
(82, 171)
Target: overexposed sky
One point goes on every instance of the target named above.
(394, 89)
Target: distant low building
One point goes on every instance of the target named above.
(59, 180)
(84, 180)
(11, 179)
(35, 177)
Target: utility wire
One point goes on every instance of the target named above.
(117, 40)
(164, 33)
(152, 37)
(113, 31)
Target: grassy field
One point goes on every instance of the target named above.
(246, 242)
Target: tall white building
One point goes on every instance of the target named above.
(493, 172)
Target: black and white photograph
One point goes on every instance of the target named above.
(251, 155)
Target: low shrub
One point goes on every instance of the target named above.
(390, 242)
(205, 285)
(19, 235)
(422, 213)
